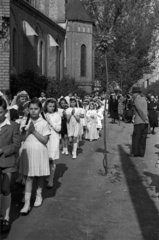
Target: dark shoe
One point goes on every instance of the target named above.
(155, 195)
(5, 226)
(132, 155)
(1, 219)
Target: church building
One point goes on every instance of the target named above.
(80, 44)
(51, 37)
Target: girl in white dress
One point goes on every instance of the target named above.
(91, 116)
(54, 120)
(84, 120)
(100, 117)
(34, 159)
(73, 121)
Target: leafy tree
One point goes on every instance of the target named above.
(153, 89)
(126, 31)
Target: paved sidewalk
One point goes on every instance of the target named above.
(84, 205)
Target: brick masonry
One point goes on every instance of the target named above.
(4, 44)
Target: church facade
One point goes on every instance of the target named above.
(53, 38)
(80, 44)
(37, 42)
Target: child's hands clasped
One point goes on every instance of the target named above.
(73, 111)
(31, 128)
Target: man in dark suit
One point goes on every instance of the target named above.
(9, 146)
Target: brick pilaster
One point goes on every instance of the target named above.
(4, 44)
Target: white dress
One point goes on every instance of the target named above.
(54, 120)
(91, 132)
(73, 126)
(81, 124)
(34, 158)
(99, 119)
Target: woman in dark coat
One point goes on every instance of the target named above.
(128, 109)
(113, 108)
(153, 119)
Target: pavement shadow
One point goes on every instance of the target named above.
(16, 205)
(61, 168)
(154, 179)
(101, 150)
(145, 209)
(157, 153)
(17, 194)
(128, 145)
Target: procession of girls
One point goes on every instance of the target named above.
(43, 124)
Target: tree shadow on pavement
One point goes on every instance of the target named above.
(157, 153)
(101, 150)
(154, 179)
(146, 211)
(156, 145)
(128, 145)
(16, 205)
(60, 170)
(17, 190)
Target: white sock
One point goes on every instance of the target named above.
(27, 196)
(6, 203)
(66, 149)
(39, 192)
(74, 152)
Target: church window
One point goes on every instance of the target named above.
(79, 29)
(14, 48)
(83, 60)
(58, 59)
(68, 28)
(84, 29)
(41, 55)
(88, 30)
(29, 1)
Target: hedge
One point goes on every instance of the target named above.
(35, 84)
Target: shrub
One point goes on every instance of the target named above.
(63, 87)
(35, 84)
(30, 82)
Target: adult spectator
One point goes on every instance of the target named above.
(152, 113)
(113, 108)
(140, 123)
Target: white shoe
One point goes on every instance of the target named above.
(26, 209)
(66, 152)
(63, 152)
(38, 201)
(74, 156)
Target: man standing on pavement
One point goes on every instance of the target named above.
(140, 123)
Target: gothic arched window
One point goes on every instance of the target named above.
(83, 60)
(41, 55)
(58, 59)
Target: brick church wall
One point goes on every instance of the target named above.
(4, 44)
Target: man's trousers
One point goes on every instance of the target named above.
(139, 139)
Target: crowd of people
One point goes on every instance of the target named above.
(121, 107)
(32, 132)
